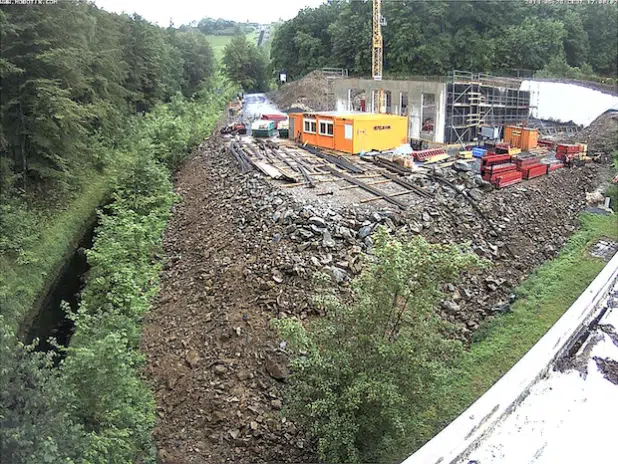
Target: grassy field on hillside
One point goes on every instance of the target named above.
(219, 42)
(21, 283)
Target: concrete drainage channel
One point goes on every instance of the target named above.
(557, 403)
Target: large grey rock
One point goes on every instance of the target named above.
(317, 221)
(339, 274)
(461, 166)
(450, 306)
(327, 240)
(365, 231)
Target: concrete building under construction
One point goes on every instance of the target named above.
(453, 109)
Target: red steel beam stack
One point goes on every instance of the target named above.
(525, 162)
(489, 160)
(507, 178)
(545, 143)
(422, 155)
(535, 170)
(565, 151)
(553, 166)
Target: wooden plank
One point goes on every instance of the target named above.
(368, 183)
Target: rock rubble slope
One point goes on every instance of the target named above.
(242, 251)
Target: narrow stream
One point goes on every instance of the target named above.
(51, 320)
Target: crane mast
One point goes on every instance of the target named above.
(378, 52)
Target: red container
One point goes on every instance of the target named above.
(536, 170)
(545, 143)
(567, 148)
(506, 179)
(524, 162)
(488, 160)
(554, 166)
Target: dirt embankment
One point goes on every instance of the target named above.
(314, 92)
(243, 251)
(215, 364)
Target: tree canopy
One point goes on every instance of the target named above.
(432, 37)
(71, 71)
(246, 65)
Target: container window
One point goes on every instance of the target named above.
(326, 128)
(348, 132)
(310, 126)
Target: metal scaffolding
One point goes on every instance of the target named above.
(475, 100)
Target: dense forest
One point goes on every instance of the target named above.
(96, 111)
(70, 75)
(434, 37)
(210, 26)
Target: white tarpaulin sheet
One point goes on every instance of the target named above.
(567, 102)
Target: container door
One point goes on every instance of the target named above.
(292, 132)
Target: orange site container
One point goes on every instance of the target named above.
(349, 132)
(521, 137)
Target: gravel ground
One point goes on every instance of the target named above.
(242, 251)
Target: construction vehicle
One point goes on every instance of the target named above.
(377, 55)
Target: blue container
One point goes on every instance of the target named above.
(478, 152)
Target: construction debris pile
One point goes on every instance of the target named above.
(342, 199)
(602, 135)
(314, 92)
(243, 249)
(260, 217)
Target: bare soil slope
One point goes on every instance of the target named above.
(211, 355)
(243, 251)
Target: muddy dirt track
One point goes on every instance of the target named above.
(242, 251)
(211, 355)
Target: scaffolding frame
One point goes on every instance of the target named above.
(477, 99)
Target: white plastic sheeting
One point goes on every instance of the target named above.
(257, 104)
(567, 102)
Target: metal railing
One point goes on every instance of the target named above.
(335, 73)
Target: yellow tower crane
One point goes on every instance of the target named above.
(377, 55)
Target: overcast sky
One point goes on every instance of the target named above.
(185, 11)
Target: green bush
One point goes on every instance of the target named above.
(35, 427)
(95, 408)
(19, 230)
(364, 381)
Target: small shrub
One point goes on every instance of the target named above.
(364, 381)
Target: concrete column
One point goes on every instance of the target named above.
(440, 122)
(415, 120)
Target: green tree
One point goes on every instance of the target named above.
(367, 372)
(435, 36)
(34, 424)
(531, 44)
(576, 44)
(246, 65)
(197, 57)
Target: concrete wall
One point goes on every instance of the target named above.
(413, 89)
